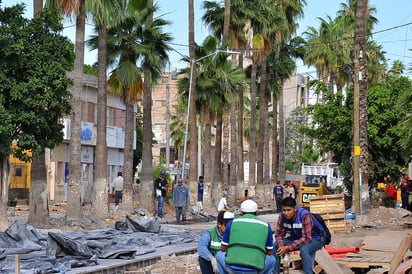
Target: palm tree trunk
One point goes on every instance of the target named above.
(275, 155)
(266, 150)
(217, 163)
(240, 172)
(234, 164)
(281, 141)
(225, 147)
(226, 22)
(207, 157)
(127, 200)
(263, 112)
(252, 133)
(146, 196)
(37, 7)
(74, 205)
(39, 194)
(4, 190)
(193, 172)
(100, 203)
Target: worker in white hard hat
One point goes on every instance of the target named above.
(247, 243)
(209, 243)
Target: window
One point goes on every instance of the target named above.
(116, 117)
(89, 112)
(19, 172)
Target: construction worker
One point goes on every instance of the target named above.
(247, 243)
(209, 243)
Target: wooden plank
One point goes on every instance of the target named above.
(400, 253)
(337, 215)
(317, 269)
(17, 263)
(328, 264)
(364, 262)
(328, 196)
(387, 241)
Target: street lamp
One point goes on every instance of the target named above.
(192, 67)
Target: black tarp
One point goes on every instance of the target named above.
(49, 252)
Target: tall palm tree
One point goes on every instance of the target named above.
(134, 46)
(39, 212)
(293, 9)
(215, 17)
(193, 172)
(216, 81)
(102, 12)
(76, 7)
(269, 31)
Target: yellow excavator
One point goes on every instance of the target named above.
(313, 185)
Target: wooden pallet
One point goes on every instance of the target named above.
(386, 250)
(332, 209)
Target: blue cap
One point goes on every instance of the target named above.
(162, 172)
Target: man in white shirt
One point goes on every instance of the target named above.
(117, 188)
(223, 202)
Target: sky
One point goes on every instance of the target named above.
(393, 31)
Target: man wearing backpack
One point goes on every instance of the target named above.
(297, 229)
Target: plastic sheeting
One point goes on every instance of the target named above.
(50, 252)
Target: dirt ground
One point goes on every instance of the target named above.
(378, 219)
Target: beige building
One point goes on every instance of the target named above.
(58, 160)
(164, 96)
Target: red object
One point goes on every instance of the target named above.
(340, 250)
(406, 177)
(391, 191)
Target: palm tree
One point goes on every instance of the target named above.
(216, 81)
(76, 7)
(39, 212)
(215, 17)
(133, 42)
(102, 12)
(193, 172)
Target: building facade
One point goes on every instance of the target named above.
(58, 164)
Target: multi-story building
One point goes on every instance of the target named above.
(164, 96)
(58, 165)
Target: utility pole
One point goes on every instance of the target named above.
(359, 76)
(356, 144)
(168, 120)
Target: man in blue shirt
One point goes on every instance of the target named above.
(278, 196)
(209, 243)
(181, 200)
(247, 243)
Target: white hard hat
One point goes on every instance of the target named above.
(228, 215)
(249, 206)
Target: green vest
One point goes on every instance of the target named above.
(247, 242)
(214, 245)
